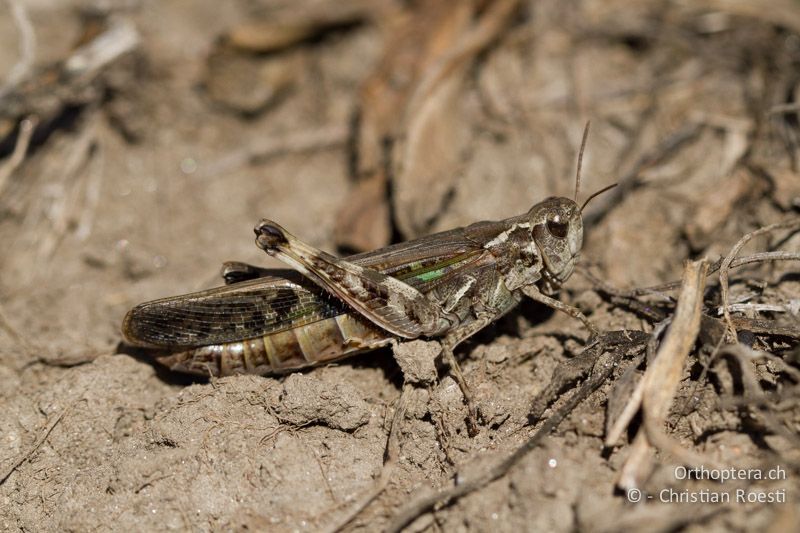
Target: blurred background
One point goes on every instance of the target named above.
(141, 140)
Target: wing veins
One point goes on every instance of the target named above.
(286, 300)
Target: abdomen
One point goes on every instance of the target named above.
(301, 347)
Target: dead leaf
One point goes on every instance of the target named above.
(429, 162)
(249, 84)
(414, 95)
(364, 219)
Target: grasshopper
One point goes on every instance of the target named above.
(445, 286)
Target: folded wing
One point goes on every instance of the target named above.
(279, 300)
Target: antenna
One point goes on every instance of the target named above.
(598, 193)
(580, 159)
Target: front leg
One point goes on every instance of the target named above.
(387, 302)
(532, 292)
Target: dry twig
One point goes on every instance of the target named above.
(635, 401)
(47, 92)
(39, 441)
(661, 379)
(606, 362)
(753, 393)
(26, 129)
(792, 224)
(72, 203)
(659, 290)
(569, 372)
(666, 149)
(392, 457)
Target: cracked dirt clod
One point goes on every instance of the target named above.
(417, 360)
(307, 400)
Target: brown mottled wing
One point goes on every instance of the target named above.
(430, 261)
(284, 299)
(230, 313)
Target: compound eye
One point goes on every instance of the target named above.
(557, 228)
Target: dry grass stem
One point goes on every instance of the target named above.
(635, 401)
(608, 351)
(26, 129)
(792, 224)
(389, 465)
(662, 377)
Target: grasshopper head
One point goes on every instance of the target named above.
(557, 229)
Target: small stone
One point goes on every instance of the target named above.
(496, 353)
(417, 360)
(309, 400)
